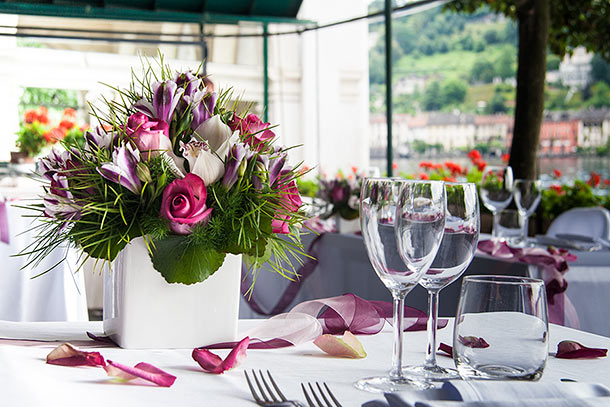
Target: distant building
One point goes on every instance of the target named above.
(492, 127)
(408, 85)
(558, 135)
(593, 127)
(575, 70)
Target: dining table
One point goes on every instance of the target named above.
(28, 381)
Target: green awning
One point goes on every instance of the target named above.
(177, 11)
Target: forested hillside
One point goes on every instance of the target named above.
(446, 61)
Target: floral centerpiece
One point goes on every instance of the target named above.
(175, 168)
(172, 163)
(343, 193)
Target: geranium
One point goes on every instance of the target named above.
(166, 165)
(505, 157)
(594, 179)
(556, 173)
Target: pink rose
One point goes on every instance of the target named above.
(183, 204)
(256, 131)
(290, 201)
(149, 135)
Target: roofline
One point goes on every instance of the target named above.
(110, 13)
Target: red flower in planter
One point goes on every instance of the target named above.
(557, 188)
(594, 179)
(556, 173)
(505, 157)
(424, 176)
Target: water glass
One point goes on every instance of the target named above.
(527, 197)
(501, 328)
(510, 227)
(496, 192)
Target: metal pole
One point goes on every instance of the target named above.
(265, 73)
(204, 50)
(388, 84)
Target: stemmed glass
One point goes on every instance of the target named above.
(417, 211)
(527, 197)
(462, 224)
(496, 192)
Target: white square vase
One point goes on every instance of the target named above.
(142, 310)
(347, 226)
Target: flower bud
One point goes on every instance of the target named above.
(143, 173)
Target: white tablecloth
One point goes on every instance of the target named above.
(58, 295)
(28, 381)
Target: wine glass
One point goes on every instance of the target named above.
(527, 197)
(462, 224)
(496, 192)
(379, 208)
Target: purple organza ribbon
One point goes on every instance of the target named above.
(554, 263)
(335, 315)
(4, 231)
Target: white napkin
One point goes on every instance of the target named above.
(504, 394)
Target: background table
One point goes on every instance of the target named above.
(343, 267)
(28, 381)
(55, 296)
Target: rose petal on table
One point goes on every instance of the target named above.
(575, 350)
(212, 363)
(142, 370)
(67, 355)
(448, 349)
(346, 347)
(473, 342)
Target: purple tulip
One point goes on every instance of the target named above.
(237, 156)
(203, 109)
(260, 171)
(100, 138)
(189, 82)
(276, 165)
(53, 163)
(166, 96)
(122, 169)
(59, 202)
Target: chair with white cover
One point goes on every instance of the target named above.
(593, 222)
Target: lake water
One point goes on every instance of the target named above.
(571, 167)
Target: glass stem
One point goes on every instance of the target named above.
(496, 225)
(524, 228)
(399, 311)
(432, 320)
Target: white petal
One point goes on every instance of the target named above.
(214, 131)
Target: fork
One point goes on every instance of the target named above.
(276, 399)
(326, 403)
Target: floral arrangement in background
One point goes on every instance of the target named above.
(342, 192)
(173, 162)
(36, 132)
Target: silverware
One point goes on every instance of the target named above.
(318, 400)
(587, 239)
(274, 399)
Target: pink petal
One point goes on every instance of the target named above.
(67, 355)
(575, 350)
(142, 370)
(212, 363)
(473, 342)
(448, 349)
(347, 347)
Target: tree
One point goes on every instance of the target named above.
(454, 91)
(497, 104)
(562, 27)
(600, 70)
(432, 97)
(600, 95)
(482, 71)
(504, 64)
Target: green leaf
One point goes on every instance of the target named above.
(181, 262)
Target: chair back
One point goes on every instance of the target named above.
(594, 222)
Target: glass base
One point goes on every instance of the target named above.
(387, 384)
(434, 374)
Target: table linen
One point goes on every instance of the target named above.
(28, 381)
